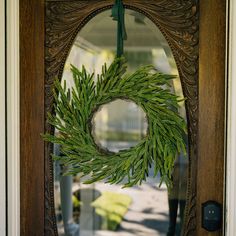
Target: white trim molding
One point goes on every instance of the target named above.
(2, 122)
(231, 134)
(13, 117)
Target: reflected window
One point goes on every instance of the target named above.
(108, 210)
(120, 130)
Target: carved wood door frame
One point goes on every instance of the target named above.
(195, 33)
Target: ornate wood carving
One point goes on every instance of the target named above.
(177, 20)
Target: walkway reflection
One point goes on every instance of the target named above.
(148, 213)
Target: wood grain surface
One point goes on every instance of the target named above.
(31, 117)
(210, 178)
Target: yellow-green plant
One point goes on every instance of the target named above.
(112, 207)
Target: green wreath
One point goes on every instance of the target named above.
(75, 109)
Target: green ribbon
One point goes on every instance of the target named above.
(118, 14)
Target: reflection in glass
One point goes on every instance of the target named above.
(108, 210)
(121, 130)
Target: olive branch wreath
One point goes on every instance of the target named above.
(75, 108)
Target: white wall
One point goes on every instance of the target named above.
(13, 120)
(2, 121)
(231, 136)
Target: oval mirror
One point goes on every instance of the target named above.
(100, 209)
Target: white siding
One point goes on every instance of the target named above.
(13, 121)
(2, 122)
(231, 138)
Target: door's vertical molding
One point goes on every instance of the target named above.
(178, 21)
(212, 54)
(231, 134)
(31, 117)
(2, 121)
(13, 120)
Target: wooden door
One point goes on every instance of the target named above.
(196, 33)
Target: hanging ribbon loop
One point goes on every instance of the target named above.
(118, 14)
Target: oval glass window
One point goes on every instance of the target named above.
(108, 210)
